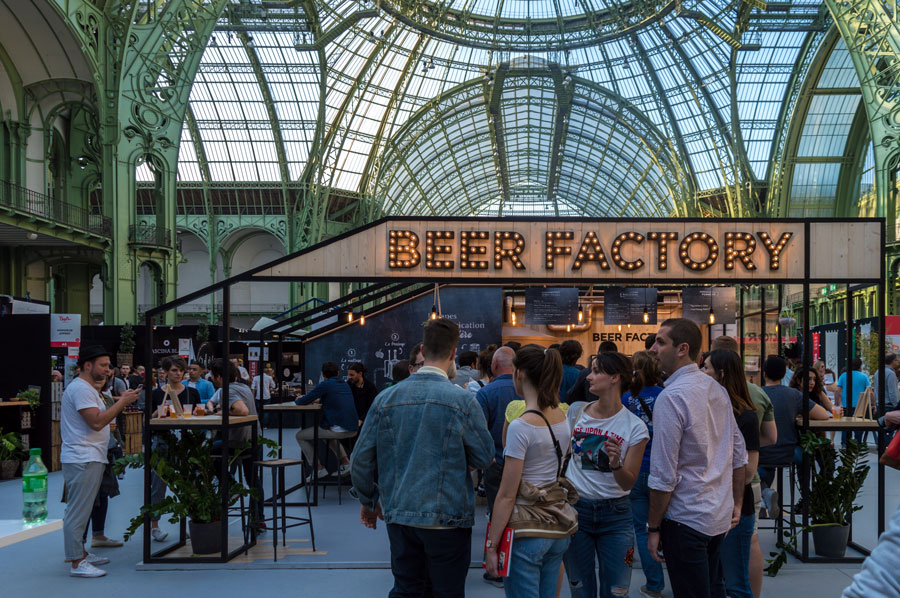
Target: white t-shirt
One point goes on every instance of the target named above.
(268, 386)
(589, 469)
(534, 445)
(81, 443)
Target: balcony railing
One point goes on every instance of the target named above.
(236, 308)
(149, 234)
(43, 206)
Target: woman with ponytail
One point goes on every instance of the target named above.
(641, 402)
(532, 499)
(608, 446)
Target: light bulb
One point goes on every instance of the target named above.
(620, 328)
(513, 318)
(568, 328)
(580, 314)
(362, 320)
(350, 317)
(433, 312)
(646, 316)
(712, 318)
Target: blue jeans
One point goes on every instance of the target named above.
(535, 567)
(605, 529)
(735, 558)
(640, 506)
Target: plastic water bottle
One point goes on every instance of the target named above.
(34, 488)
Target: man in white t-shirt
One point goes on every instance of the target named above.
(268, 385)
(84, 428)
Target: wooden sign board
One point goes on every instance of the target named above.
(592, 250)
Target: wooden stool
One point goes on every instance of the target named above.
(278, 492)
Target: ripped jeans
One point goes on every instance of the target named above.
(605, 536)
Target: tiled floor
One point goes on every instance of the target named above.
(350, 560)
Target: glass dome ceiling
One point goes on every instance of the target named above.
(647, 117)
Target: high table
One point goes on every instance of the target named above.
(211, 423)
(840, 423)
(316, 410)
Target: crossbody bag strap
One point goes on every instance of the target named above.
(645, 407)
(559, 454)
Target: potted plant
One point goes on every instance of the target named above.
(32, 396)
(786, 320)
(126, 346)
(186, 464)
(837, 477)
(10, 454)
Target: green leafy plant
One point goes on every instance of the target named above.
(202, 332)
(32, 396)
(868, 350)
(835, 485)
(186, 464)
(126, 339)
(10, 446)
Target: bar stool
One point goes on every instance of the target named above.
(241, 508)
(278, 492)
(349, 443)
(778, 524)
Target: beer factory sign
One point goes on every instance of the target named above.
(474, 249)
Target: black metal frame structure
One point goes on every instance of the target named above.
(380, 282)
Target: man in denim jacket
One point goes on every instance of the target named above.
(411, 467)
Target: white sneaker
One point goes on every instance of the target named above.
(96, 560)
(344, 470)
(158, 535)
(85, 569)
(323, 473)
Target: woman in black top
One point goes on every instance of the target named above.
(173, 368)
(726, 368)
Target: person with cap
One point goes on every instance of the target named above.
(84, 428)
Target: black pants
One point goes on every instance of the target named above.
(98, 516)
(692, 560)
(492, 476)
(429, 562)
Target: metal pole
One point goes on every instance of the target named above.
(778, 315)
(148, 409)
(741, 331)
(261, 375)
(226, 408)
(882, 332)
(762, 331)
(849, 371)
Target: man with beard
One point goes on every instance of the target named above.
(84, 428)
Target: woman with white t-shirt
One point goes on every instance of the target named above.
(534, 452)
(608, 445)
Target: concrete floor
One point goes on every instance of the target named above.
(350, 559)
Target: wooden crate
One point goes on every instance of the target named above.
(54, 463)
(134, 443)
(134, 422)
(55, 439)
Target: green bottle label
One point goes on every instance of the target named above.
(34, 483)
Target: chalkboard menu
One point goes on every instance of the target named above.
(388, 337)
(697, 302)
(629, 305)
(554, 305)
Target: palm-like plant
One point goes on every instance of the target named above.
(187, 465)
(835, 485)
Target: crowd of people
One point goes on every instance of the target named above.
(668, 451)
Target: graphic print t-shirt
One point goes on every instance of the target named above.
(589, 468)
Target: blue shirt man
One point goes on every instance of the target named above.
(495, 396)
(859, 382)
(195, 380)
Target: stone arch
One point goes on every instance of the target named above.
(256, 249)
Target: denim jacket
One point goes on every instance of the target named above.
(414, 451)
